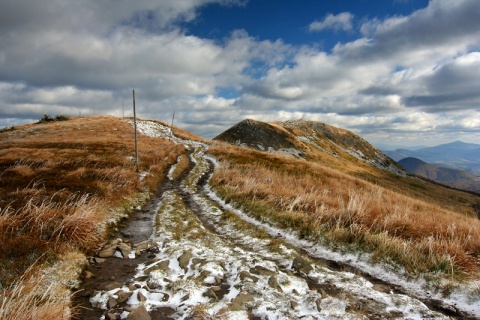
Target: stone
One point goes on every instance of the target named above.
(163, 265)
(112, 285)
(141, 297)
(262, 271)
(123, 296)
(200, 261)
(140, 313)
(246, 275)
(233, 306)
(88, 275)
(210, 293)
(112, 302)
(243, 297)
(300, 264)
(184, 260)
(107, 251)
(273, 282)
(293, 304)
(125, 249)
(140, 247)
(381, 288)
(111, 316)
(318, 302)
(100, 260)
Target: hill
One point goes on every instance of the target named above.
(459, 155)
(449, 176)
(234, 229)
(309, 140)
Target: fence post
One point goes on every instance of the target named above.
(135, 128)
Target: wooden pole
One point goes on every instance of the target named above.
(171, 126)
(135, 128)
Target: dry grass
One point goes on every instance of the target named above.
(323, 203)
(61, 184)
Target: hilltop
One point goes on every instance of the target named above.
(309, 140)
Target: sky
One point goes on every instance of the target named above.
(396, 72)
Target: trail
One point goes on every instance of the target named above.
(204, 259)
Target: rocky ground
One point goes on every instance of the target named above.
(188, 255)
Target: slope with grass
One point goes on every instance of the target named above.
(209, 260)
(63, 185)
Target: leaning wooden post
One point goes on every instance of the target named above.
(135, 128)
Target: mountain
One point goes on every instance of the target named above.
(309, 140)
(456, 178)
(460, 155)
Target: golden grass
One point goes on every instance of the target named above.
(323, 203)
(61, 184)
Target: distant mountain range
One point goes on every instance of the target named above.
(455, 178)
(458, 155)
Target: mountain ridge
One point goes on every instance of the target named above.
(309, 140)
(457, 154)
(452, 177)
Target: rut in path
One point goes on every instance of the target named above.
(203, 261)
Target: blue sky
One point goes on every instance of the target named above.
(398, 72)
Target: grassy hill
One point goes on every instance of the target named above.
(64, 185)
(339, 188)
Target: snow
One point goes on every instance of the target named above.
(225, 256)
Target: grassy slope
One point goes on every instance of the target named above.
(60, 185)
(423, 227)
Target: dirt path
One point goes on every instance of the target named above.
(197, 258)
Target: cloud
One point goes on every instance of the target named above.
(340, 22)
(403, 75)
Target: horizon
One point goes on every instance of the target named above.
(398, 72)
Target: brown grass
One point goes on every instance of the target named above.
(60, 185)
(323, 203)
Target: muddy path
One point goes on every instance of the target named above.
(194, 257)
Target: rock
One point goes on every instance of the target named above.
(112, 302)
(184, 260)
(123, 296)
(246, 275)
(125, 249)
(111, 286)
(262, 271)
(210, 293)
(293, 304)
(140, 247)
(273, 282)
(140, 313)
(237, 304)
(88, 275)
(163, 265)
(100, 260)
(243, 297)
(381, 288)
(318, 302)
(300, 264)
(107, 251)
(233, 306)
(200, 261)
(111, 316)
(141, 297)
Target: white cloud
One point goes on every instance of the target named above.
(340, 22)
(418, 73)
